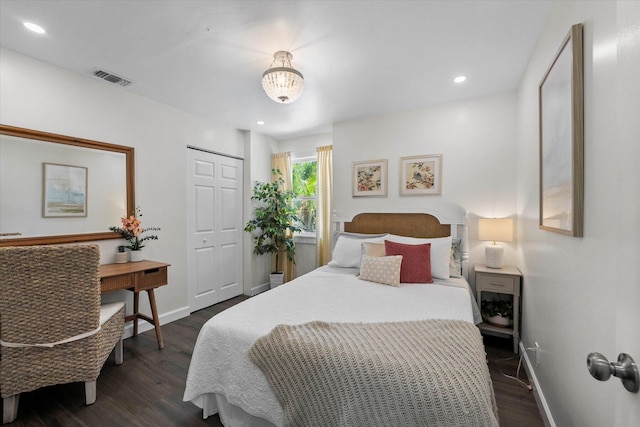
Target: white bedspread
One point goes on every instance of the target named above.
(220, 363)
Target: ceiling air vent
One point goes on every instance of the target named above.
(111, 77)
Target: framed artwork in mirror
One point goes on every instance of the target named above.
(64, 190)
(561, 105)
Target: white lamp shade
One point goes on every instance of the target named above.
(495, 229)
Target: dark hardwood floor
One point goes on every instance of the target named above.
(147, 389)
(516, 405)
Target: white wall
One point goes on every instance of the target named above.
(305, 144)
(476, 139)
(570, 299)
(258, 149)
(39, 96)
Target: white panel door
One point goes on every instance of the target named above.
(229, 227)
(626, 290)
(214, 228)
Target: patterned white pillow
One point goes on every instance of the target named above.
(455, 261)
(385, 270)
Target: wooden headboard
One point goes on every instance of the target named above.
(412, 224)
(402, 224)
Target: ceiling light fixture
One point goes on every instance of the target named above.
(281, 81)
(34, 27)
(460, 79)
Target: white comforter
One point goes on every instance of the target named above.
(220, 363)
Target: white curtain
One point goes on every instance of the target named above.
(324, 205)
(282, 161)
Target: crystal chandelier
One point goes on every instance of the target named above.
(281, 82)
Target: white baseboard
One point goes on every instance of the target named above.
(537, 391)
(259, 289)
(144, 326)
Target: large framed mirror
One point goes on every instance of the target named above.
(61, 189)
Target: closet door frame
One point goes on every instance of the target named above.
(214, 227)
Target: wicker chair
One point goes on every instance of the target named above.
(51, 295)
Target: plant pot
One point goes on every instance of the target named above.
(136, 256)
(499, 321)
(276, 279)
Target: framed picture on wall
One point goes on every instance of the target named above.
(64, 190)
(369, 178)
(421, 175)
(561, 139)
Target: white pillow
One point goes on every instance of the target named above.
(440, 252)
(348, 250)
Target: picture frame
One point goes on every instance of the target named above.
(369, 178)
(64, 190)
(421, 175)
(561, 131)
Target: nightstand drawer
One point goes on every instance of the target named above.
(495, 283)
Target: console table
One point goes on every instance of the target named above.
(136, 277)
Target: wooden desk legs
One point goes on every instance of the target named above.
(156, 321)
(136, 304)
(153, 319)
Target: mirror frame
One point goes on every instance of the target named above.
(78, 142)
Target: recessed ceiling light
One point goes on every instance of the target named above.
(260, 122)
(34, 27)
(460, 79)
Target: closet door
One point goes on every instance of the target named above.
(214, 228)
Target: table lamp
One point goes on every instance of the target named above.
(495, 229)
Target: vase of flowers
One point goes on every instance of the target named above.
(132, 231)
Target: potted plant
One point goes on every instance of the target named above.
(132, 231)
(275, 221)
(497, 312)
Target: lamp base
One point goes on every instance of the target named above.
(493, 256)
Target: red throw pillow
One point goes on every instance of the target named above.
(416, 261)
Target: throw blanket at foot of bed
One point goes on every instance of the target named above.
(417, 373)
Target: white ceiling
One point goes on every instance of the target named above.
(359, 58)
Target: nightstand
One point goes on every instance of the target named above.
(505, 280)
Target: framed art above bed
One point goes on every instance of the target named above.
(369, 178)
(421, 175)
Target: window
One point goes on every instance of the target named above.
(304, 175)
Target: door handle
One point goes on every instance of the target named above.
(625, 369)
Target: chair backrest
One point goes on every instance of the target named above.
(48, 293)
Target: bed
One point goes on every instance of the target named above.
(330, 348)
